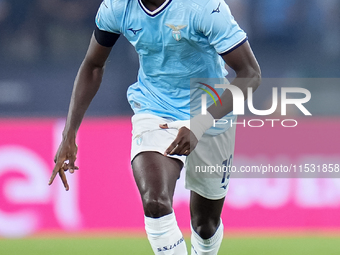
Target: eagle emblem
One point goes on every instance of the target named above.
(176, 31)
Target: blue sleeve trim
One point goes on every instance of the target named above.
(234, 47)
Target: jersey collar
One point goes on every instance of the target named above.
(155, 12)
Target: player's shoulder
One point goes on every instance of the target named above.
(203, 3)
(114, 9)
(116, 5)
(202, 6)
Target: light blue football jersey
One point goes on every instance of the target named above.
(179, 41)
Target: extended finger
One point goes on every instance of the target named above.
(63, 178)
(180, 147)
(179, 150)
(55, 171)
(184, 151)
(171, 148)
(173, 151)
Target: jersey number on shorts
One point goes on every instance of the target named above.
(226, 171)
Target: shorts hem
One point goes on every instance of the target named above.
(145, 149)
(201, 193)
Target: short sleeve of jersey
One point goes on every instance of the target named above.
(219, 26)
(105, 18)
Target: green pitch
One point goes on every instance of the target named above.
(140, 246)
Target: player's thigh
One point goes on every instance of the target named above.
(156, 174)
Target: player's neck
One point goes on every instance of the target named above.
(152, 5)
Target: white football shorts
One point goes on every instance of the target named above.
(207, 167)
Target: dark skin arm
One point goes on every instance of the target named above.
(85, 87)
(248, 74)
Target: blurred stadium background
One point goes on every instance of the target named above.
(42, 44)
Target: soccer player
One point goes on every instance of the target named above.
(177, 41)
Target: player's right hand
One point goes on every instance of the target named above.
(64, 160)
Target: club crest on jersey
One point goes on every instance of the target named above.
(176, 31)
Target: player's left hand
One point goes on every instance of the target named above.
(65, 160)
(184, 143)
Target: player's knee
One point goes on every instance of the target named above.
(157, 207)
(205, 227)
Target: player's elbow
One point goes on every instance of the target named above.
(93, 64)
(253, 73)
(93, 68)
(257, 77)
